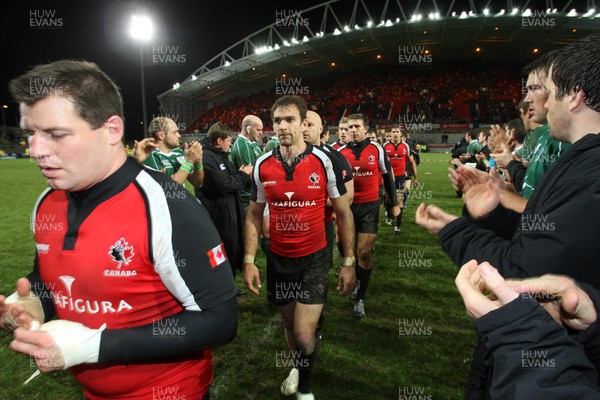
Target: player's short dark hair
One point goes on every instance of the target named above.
(576, 68)
(95, 96)
(218, 131)
(363, 117)
(541, 64)
(291, 101)
(486, 133)
(473, 133)
(519, 127)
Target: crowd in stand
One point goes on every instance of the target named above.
(385, 94)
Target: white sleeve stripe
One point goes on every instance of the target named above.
(35, 208)
(161, 237)
(332, 190)
(382, 167)
(260, 190)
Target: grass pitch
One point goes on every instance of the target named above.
(415, 341)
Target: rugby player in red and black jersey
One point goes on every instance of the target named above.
(399, 154)
(342, 134)
(296, 179)
(127, 259)
(370, 165)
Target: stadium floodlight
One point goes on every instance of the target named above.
(141, 29)
(514, 11)
(381, 23)
(471, 14)
(305, 39)
(347, 28)
(295, 41)
(276, 47)
(356, 27)
(176, 86)
(463, 15)
(572, 13)
(486, 11)
(286, 43)
(369, 24)
(454, 13)
(336, 32)
(388, 23)
(590, 12)
(501, 12)
(194, 77)
(526, 13)
(397, 20)
(227, 63)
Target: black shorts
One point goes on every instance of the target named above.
(400, 181)
(301, 279)
(366, 216)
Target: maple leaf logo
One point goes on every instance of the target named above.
(315, 178)
(121, 252)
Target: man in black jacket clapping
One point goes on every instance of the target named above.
(220, 191)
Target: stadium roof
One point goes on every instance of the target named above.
(344, 35)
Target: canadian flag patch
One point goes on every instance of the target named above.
(217, 255)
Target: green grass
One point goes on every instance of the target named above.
(412, 283)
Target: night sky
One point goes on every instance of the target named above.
(98, 31)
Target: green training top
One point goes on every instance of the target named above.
(544, 155)
(271, 144)
(169, 162)
(244, 152)
(474, 147)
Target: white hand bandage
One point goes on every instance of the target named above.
(31, 303)
(78, 344)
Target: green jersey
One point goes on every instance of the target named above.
(273, 143)
(474, 147)
(244, 152)
(530, 141)
(169, 162)
(544, 155)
